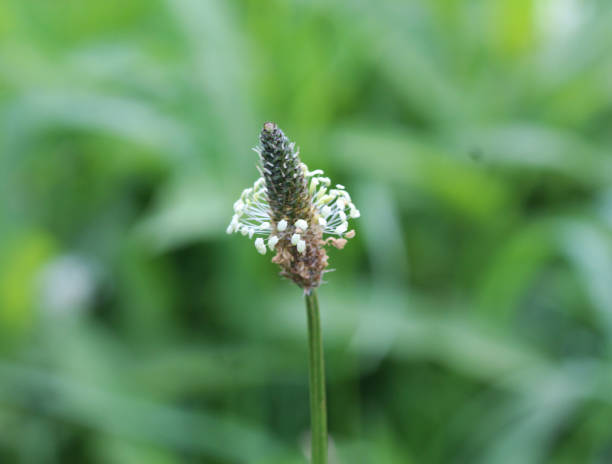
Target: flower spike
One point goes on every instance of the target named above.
(292, 208)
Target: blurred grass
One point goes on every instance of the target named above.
(468, 322)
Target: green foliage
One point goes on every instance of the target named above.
(469, 321)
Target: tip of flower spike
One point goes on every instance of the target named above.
(260, 245)
(269, 126)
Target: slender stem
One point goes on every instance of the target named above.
(316, 365)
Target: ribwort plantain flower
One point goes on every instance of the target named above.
(292, 211)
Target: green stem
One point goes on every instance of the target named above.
(316, 365)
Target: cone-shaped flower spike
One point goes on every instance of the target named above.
(294, 209)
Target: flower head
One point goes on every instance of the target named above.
(294, 210)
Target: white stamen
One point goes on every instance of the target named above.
(251, 232)
(340, 186)
(316, 172)
(322, 222)
(282, 225)
(295, 238)
(325, 211)
(265, 225)
(341, 203)
(313, 185)
(355, 213)
(342, 228)
(301, 224)
(301, 246)
(345, 194)
(342, 215)
(272, 241)
(261, 247)
(320, 194)
(238, 206)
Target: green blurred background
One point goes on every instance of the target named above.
(470, 320)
